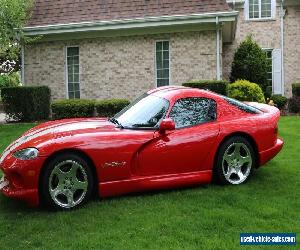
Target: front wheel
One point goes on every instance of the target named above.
(235, 161)
(67, 182)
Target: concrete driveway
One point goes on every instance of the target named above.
(2, 118)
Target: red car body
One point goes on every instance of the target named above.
(128, 160)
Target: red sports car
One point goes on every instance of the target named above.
(169, 137)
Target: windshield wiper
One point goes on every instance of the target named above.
(141, 125)
(115, 121)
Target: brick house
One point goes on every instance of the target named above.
(104, 49)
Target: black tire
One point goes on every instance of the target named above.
(79, 177)
(229, 167)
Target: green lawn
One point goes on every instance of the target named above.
(204, 217)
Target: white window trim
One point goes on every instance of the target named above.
(155, 66)
(273, 11)
(66, 70)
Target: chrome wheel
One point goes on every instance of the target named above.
(68, 183)
(236, 163)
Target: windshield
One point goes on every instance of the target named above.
(145, 112)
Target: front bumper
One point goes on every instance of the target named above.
(269, 154)
(30, 196)
(21, 179)
(3, 181)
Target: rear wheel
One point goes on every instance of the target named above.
(235, 161)
(67, 182)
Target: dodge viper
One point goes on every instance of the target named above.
(169, 137)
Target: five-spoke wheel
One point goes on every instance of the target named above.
(235, 161)
(67, 182)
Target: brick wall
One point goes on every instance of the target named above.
(268, 35)
(265, 33)
(45, 65)
(292, 48)
(121, 67)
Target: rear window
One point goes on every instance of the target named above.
(242, 106)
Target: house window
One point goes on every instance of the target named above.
(260, 9)
(274, 71)
(270, 68)
(192, 111)
(162, 63)
(73, 81)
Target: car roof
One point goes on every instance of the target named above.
(170, 92)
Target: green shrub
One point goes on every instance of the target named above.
(294, 104)
(108, 108)
(9, 80)
(250, 63)
(85, 108)
(26, 103)
(212, 85)
(279, 100)
(72, 108)
(296, 89)
(244, 90)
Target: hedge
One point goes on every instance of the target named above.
(244, 90)
(279, 100)
(296, 89)
(108, 108)
(294, 104)
(218, 86)
(26, 103)
(72, 108)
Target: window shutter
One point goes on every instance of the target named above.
(246, 9)
(276, 65)
(273, 8)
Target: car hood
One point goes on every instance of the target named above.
(71, 126)
(45, 132)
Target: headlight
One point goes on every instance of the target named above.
(26, 154)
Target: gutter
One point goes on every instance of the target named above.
(131, 23)
(218, 49)
(282, 14)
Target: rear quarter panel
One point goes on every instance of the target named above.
(266, 124)
(260, 127)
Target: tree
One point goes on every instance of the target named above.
(13, 17)
(250, 63)
(9, 80)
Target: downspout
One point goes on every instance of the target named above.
(22, 66)
(282, 14)
(218, 49)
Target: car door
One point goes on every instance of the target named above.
(185, 148)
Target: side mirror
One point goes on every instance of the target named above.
(166, 124)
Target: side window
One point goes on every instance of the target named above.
(192, 111)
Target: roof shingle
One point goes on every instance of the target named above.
(48, 12)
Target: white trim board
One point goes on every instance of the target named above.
(131, 23)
